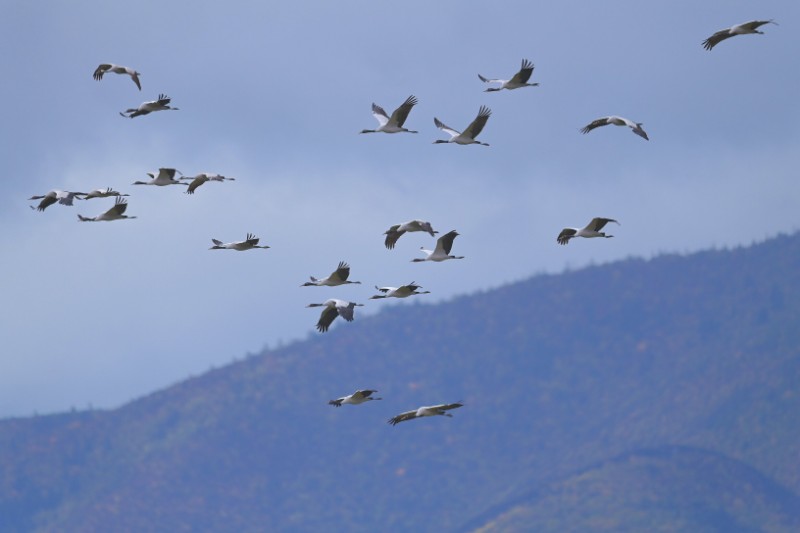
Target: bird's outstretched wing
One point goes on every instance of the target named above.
(392, 234)
(401, 113)
(251, 239)
(447, 406)
(119, 207)
(346, 312)
(637, 129)
(489, 80)
(474, 129)
(445, 128)
(445, 242)
(717, 38)
(402, 417)
(755, 24)
(326, 318)
(380, 114)
(599, 223)
(195, 183)
(100, 70)
(342, 272)
(565, 235)
(595, 124)
(524, 73)
(135, 78)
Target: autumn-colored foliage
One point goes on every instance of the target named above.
(569, 383)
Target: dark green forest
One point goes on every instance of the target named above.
(642, 395)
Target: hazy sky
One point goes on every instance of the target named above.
(274, 94)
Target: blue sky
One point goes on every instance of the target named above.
(275, 95)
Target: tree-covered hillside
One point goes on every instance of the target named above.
(559, 374)
(665, 489)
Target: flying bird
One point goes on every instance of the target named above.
(103, 193)
(116, 69)
(393, 124)
(248, 244)
(442, 251)
(166, 176)
(472, 131)
(162, 104)
(430, 410)
(337, 277)
(333, 308)
(592, 229)
(115, 213)
(202, 178)
(358, 397)
(739, 29)
(520, 79)
(397, 231)
(62, 197)
(636, 127)
(403, 291)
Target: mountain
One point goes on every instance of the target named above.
(666, 489)
(578, 388)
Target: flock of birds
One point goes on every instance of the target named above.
(394, 123)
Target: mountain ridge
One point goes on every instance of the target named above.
(697, 511)
(557, 372)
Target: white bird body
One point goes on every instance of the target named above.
(165, 176)
(740, 29)
(103, 193)
(333, 308)
(393, 124)
(115, 213)
(162, 104)
(248, 244)
(591, 230)
(397, 231)
(636, 127)
(403, 291)
(469, 134)
(442, 252)
(116, 69)
(337, 277)
(357, 398)
(520, 79)
(62, 197)
(428, 410)
(202, 178)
